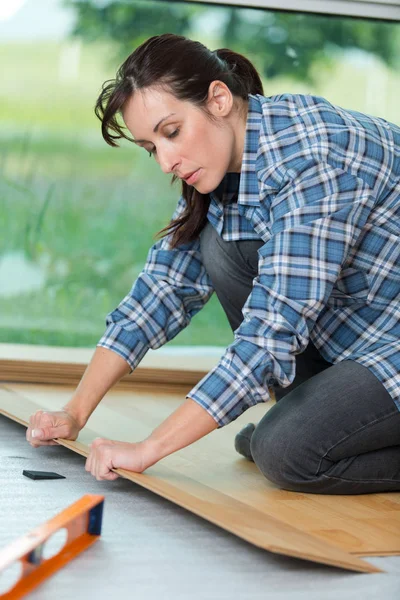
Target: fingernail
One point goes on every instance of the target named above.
(35, 433)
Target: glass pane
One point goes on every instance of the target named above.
(78, 217)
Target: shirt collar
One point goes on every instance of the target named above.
(245, 184)
(227, 190)
(248, 188)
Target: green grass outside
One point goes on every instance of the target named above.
(85, 214)
(89, 224)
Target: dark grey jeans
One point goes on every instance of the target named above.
(335, 429)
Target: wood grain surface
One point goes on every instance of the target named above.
(209, 479)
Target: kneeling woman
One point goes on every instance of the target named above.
(290, 212)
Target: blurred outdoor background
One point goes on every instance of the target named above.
(78, 217)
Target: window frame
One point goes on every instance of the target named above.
(376, 9)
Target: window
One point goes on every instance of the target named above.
(77, 217)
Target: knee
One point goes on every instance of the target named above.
(268, 452)
(281, 457)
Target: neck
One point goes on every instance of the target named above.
(240, 135)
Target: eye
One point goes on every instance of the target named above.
(173, 134)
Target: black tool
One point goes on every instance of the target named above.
(42, 475)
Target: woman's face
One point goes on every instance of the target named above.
(183, 139)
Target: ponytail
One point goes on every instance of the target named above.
(245, 78)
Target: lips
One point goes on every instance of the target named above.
(190, 178)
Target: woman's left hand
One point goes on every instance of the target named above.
(106, 455)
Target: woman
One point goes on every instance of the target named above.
(290, 211)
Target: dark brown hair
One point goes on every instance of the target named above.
(186, 68)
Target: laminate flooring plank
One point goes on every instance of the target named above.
(151, 548)
(187, 479)
(357, 524)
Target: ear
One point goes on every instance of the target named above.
(220, 99)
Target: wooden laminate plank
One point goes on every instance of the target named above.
(357, 524)
(350, 522)
(176, 478)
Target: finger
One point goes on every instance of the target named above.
(36, 418)
(110, 476)
(45, 443)
(97, 442)
(29, 434)
(96, 468)
(49, 432)
(92, 463)
(105, 475)
(44, 426)
(88, 464)
(101, 467)
(37, 435)
(33, 443)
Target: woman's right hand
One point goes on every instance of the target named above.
(44, 427)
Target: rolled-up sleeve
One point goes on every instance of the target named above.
(315, 219)
(170, 290)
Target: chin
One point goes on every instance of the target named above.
(202, 189)
(205, 187)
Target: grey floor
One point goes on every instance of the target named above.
(152, 549)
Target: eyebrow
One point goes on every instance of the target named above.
(156, 127)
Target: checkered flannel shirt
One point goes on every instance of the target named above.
(320, 186)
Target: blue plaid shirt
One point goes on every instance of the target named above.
(321, 187)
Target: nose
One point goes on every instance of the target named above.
(167, 160)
